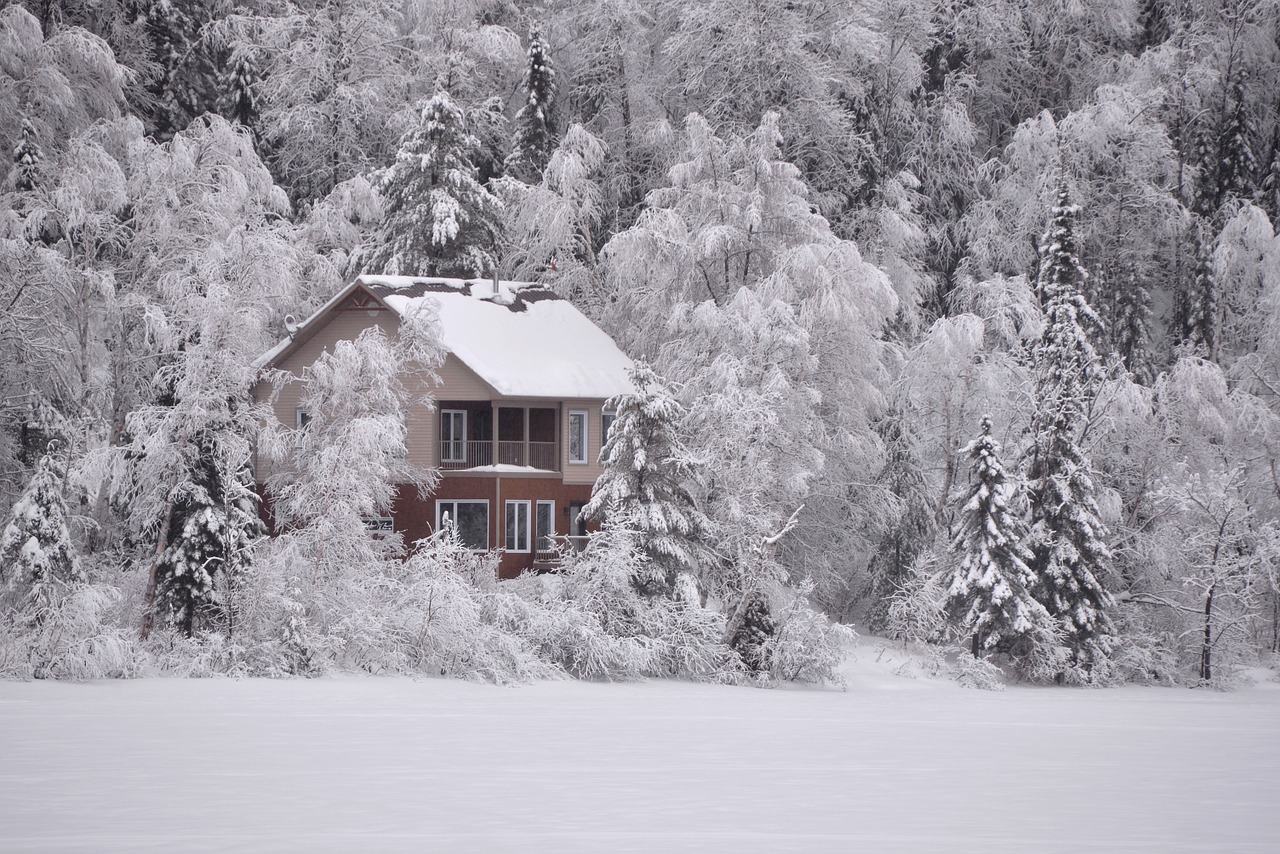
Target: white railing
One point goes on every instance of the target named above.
(455, 456)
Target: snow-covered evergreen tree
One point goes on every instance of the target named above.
(535, 131)
(989, 597)
(645, 485)
(1131, 325)
(1235, 175)
(36, 552)
(27, 158)
(1068, 537)
(214, 525)
(239, 103)
(1201, 297)
(912, 527)
(439, 219)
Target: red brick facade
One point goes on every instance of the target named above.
(414, 514)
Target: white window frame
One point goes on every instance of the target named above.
(446, 413)
(440, 504)
(551, 535)
(301, 417)
(584, 434)
(506, 527)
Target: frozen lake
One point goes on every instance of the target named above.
(369, 764)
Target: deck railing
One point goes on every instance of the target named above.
(456, 456)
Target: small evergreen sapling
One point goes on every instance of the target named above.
(36, 552)
(990, 593)
(27, 158)
(643, 487)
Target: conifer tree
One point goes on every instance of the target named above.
(643, 487)
(27, 158)
(1067, 538)
(912, 530)
(989, 596)
(1236, 166)
(215, 521)
(36, 552)
(440, 221)
(534, 138)
(1131, 328)
(1269, 191)
(1201, 299)
(239, 104)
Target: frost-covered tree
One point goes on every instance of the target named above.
(214, 525)
(1068, 537)
(1201, 296)
(553, 229)
(645, 487)
(238, 102)
(440, 220)
(534, 137)
(989, 597)
(60, 80)
(36, 551)
(332, 84)
(912, 527)
(27, 158)
(752, 421)
(1131, 325)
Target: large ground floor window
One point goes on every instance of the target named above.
(517, 526)
(470, 517)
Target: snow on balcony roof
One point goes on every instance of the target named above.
(523, 340)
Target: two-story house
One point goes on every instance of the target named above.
(519, 415)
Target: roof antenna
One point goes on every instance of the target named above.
(291, 325)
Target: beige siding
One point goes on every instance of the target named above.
(457, 382)
(580, 472)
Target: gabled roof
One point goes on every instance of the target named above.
(523, 339)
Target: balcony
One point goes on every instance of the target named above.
(459, 456)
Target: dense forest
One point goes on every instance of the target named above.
(956, 320)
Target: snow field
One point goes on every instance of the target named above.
(891, 765)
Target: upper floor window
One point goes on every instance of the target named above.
(303, 418)
(577, 436)
(453, 436)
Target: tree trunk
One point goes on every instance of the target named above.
(149, 598)
(1206, 650)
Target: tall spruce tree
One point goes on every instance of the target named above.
(1201, 299)
(1067, 535)
(534, 138)
(989, 597)
(644, 485)
(440, 220)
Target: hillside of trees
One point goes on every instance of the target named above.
(958, 321)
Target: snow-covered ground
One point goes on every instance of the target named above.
(893, 764)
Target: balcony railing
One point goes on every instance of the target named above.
(456, 456)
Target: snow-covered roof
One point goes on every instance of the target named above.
(523, 339)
